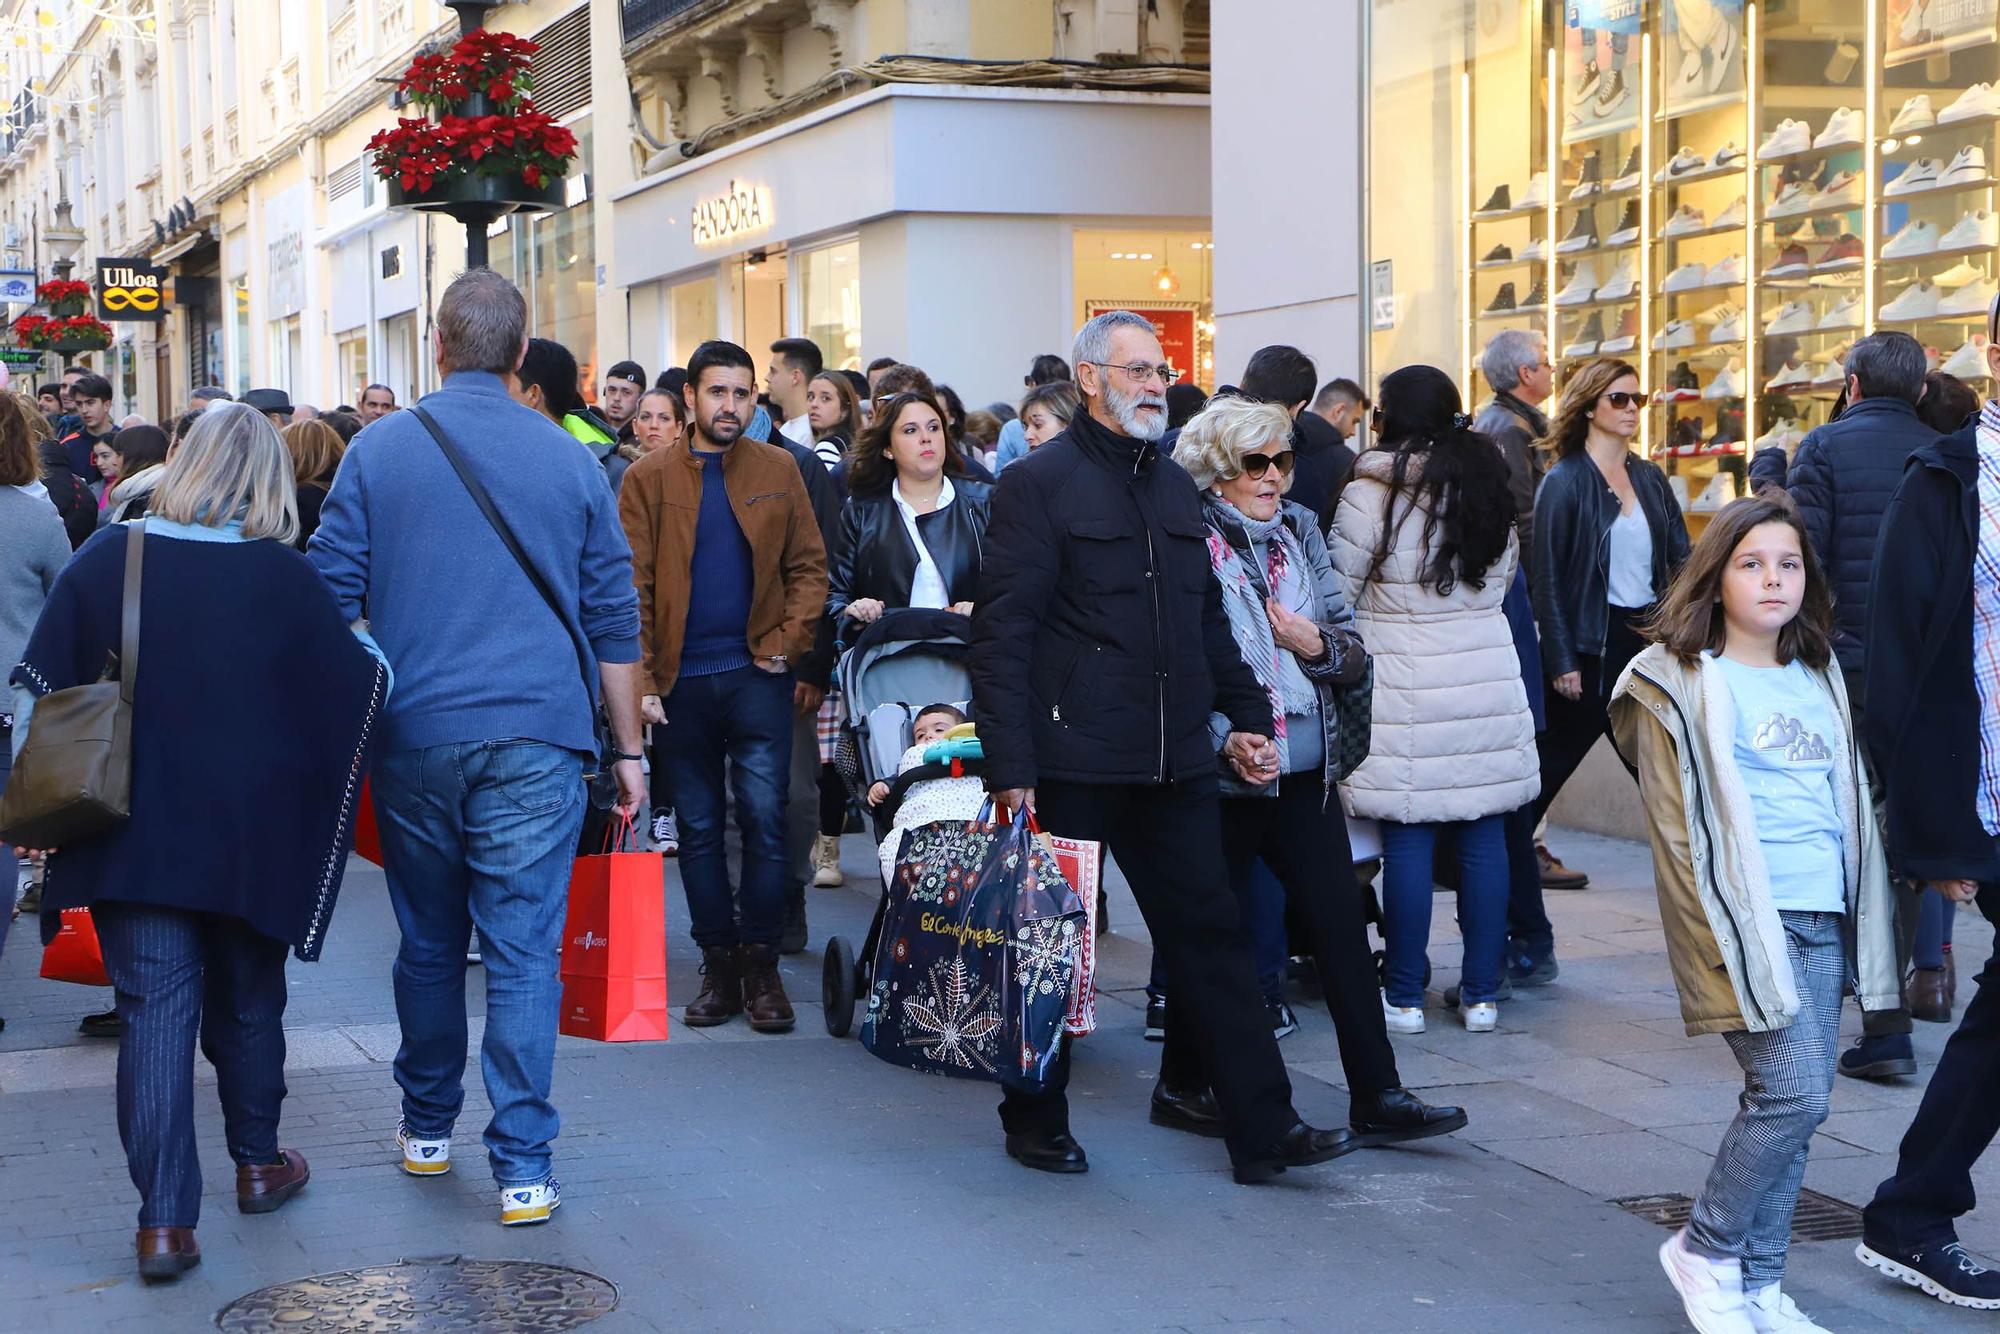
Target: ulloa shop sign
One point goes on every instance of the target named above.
(739, 211)
(131, 290)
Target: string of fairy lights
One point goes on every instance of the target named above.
(40, 30)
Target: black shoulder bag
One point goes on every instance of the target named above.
(603, 786)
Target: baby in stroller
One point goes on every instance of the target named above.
(929, 799)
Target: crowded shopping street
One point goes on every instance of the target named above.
(1322, 664)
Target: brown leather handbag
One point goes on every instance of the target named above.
(72, 780)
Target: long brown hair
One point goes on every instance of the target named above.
(316, 451)
(1571, 428)
(870, 470)
(1689, 618)
(848, 429)
(20, 462)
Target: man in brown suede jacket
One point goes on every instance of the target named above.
(731, 573)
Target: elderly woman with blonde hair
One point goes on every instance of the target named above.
(252, 707)
(1295, 631)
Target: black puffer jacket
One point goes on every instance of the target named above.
(1099, 643)
(1574, 511)
(874, 557)
(1842, 477)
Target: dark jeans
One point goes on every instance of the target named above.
(1299, 839)
(659, 782)
(1531, 937)
(1406, 906)
(1167, 840)
(10, 868)
(178, 974)
(742, 719)
(1575, 724)
(1905, 896)
(1957, 1119)
(1935, 914)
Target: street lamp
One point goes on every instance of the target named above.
(65, 238)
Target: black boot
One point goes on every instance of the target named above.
(721, 997)
(1195, 1113)
(1048, 1151)
(1396, 1115)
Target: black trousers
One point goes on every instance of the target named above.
(1302, 837)
(1905, 895)
(1168, 841)
(1955, 1122)
(1575, 724)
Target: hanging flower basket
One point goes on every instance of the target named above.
(63, 334)
(64, 298)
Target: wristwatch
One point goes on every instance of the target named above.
(621, 755)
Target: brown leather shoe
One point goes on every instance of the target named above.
(763, 993)
(721, 997)
(1928, 996)
(1557, 876)
(165, 1253)
(263, 1187)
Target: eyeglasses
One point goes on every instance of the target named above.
(1621, 400)
(1141, 372)
(1256, 465)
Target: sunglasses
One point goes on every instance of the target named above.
(1621, 400)
(1256, 465)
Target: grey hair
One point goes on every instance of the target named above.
(1511, 352)
(482, 321)
(232, 464)
(1888, 365)
(1212, 444)
(1093, 340)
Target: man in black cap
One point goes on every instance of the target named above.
(619, 399)
(273, 403)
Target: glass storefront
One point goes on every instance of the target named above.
(1724, 192)
(350, 360)
(830, 302)
(552, 257)
(1166, 276)
(691, 317)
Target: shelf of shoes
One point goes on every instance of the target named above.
(1935, 272)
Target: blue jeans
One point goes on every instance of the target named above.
(1482, 907)
(741, 720)
(10, 866)
(1934, 914)
(481, 833)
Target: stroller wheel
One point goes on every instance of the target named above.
(836, 987)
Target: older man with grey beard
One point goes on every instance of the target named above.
(1100, 650)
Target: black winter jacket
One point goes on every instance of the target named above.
(1574, 511)
(873, 556)
(827, 495)
(1842, 477)
(1515, 427)
(1922, 708)
(1322, 462)
(1099, 643)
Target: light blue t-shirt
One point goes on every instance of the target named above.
(1784, 749)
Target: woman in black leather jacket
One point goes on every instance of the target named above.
(1608, 538)
(907, 486)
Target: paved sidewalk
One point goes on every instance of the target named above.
(729, 1181)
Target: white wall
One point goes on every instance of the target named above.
(970, 319)
(1285, 143)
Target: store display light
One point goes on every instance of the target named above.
(1165, 282)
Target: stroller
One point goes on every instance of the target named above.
(907, 658)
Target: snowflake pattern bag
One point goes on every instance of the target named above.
(980, 955)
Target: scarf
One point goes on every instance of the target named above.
(1986, 616)
(1287, 578)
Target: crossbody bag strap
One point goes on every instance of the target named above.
(128, 641)
(477, 490)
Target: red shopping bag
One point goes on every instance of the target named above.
(1083, 866)
(367, 835)
(614, 953)
(74, 955)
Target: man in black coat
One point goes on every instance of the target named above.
(1841, 478)
(1927, 738)
(815, 674)
(1321, 459)
(1100, 649)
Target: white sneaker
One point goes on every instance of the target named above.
(1480, 1018)
(1968, 167)
(1843, 128)
(1536, 193)
(1728, 382)
(1919, 175)
(1621, 284)
(1975, 231)
(1728, 331)
(523, 1205)
(1402, 1018)
(423, 1157)
(1789, 377)
(1733, 216)
(1772, 1312)
(1725, 273)
(1720, 313)
(1844, 188)
(1918, 301)
(666, 833)
(1791, 136)
(1975, 298)
(1793, 317)
(1781, 435)
(1581, 286)
(1726, 156)
(1687, 277)
(1917, 239)
(1711, 1290)
(1792, 197)
(1686, 219)
(1981, 99)
(1832, 372)
(1969, 362)
(1958, 275)
(1532, 252)
(826, 862)
(1842, 314)
(1684, 163)
(1915, 115)
(1675, 333)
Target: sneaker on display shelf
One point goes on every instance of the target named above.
(1500, 201)
(1627, 336)
(1975, 298)
(1792, 260)
(1581, 286)
(1684, 439)
(1589, 178)
(1587, 338)
(1674, 334)
(1979, 101)
(1502, 302)
(1582, 234)
(1687, 277)
(1844, 254)
(1726, 156)
(1721, 489)
(1500, 254)
(1684, 163)
(1538, 296)
(1719, 313)
(1916, 239)
(1789, 377)
(1842, 314)
(1791, 136)
(1726, 273)
(1780, 435)
(1536, 195)
(1978, 230)
(1728, 331)
(1916, 114)
(1628, 177)
(1628, 226)
(1728, 382)
(1733, 216)
(1533, 252)
(1792, 197)
(1831, 373)
(1794, 317)
(1958, 275)
(1918, 301)
(1683, 386)
(1844, 188)
(1843, 130)
(1622, 283)
(1968, 167)
(1919, 175)
(1685, 220)
(1969, 362)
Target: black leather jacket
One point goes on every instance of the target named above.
(1574, 511)
(874, 557)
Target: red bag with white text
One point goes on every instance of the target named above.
(614, 948)
(74, 954)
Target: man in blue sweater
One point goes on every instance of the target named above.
(478, 776)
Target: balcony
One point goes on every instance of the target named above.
(642, 16)
(208, 148)
(232, 141)
(343, 49)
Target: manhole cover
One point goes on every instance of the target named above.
(1818, 1217)
(443, 1294)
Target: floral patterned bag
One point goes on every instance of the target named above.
(980, 954)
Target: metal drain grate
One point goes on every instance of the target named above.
(436, 1295)
(1818, 1217)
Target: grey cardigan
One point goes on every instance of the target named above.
(33, 550)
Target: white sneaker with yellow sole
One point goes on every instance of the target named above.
(523, 1205)
(423, 1157)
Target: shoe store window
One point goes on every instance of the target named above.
(1167, 276)
(830, 301)
(552, 258)
(1724, 192)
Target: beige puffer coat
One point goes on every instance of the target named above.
(1452, 739)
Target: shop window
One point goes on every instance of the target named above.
(1165, 276)
(760, 298)
(400, 367)
(691, 312)
(552, 258)
(239, 336)
(351, 366)
(830, 302)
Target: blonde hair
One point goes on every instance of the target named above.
(1212, 445)
(316, 449)
(232, 464)
(37, 423)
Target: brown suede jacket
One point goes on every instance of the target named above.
(659, 504)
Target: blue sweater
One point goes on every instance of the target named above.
(718, 616)
(477, 655)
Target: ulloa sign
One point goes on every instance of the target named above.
(131, 290)
(738, 211)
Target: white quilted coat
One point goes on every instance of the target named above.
(1453, 738)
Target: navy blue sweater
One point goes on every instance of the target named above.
(719, 580)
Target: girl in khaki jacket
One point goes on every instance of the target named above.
(1773, 891)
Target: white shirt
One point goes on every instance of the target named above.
(927, 589)
(1630, 578)
(798, 430)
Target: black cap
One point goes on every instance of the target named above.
(630, 371)
(268, 400)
